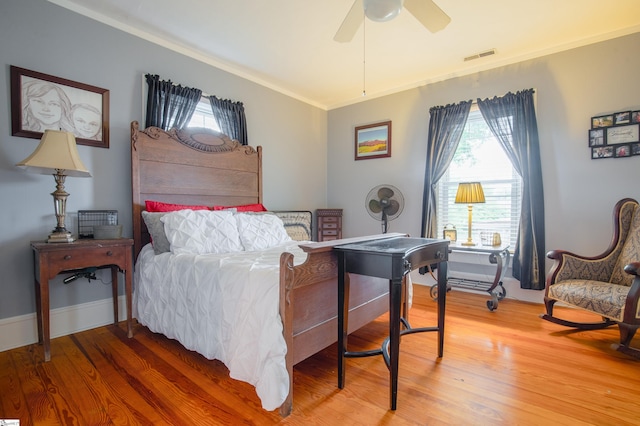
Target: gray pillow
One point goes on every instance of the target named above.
(156, 230)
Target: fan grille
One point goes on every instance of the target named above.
(384, 203)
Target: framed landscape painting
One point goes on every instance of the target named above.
(373, 141)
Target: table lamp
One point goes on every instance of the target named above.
(469, 193)
(57, 154)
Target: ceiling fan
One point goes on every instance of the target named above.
(425, 11)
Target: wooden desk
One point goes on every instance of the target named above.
(390, 258)
(50, 259)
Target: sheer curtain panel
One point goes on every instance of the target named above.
(169, 105)
(512, 119)
(446, 124)
(231, 118)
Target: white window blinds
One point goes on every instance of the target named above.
(480, 158)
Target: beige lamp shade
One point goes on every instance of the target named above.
(57, 151)
(469, 193)
(57, 154)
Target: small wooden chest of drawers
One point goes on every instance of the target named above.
(329, 224)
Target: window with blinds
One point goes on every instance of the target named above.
(480, 158)
(203, 116)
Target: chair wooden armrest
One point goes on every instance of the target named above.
(632, 305)
(633, 268)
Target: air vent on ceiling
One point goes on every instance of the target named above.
(480, 55)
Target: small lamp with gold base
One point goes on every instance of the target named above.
(58, 155)
(469, 193)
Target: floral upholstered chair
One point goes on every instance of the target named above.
(607, 285)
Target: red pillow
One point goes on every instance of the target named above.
(244, 208)
(158, 206)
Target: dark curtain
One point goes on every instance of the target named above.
(512, 119)
(169, 105)
(446, 124)
(231, 119)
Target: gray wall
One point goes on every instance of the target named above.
(571, 87)
(43, 37)
(301, 143)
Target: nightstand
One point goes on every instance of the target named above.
(50, 259)
(329, 224)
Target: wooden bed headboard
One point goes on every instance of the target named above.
(192, 166)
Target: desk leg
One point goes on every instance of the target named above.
(343, 316)
(405, 296)
(114, 288)
(442, 293)
(395, 300)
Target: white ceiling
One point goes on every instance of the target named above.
(288, 45)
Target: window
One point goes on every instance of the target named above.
(203, 116)
(480, 158)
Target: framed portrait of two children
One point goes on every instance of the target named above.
(41, 101)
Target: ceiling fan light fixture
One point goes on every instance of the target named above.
(382, 10)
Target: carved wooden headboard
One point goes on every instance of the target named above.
(191, 166)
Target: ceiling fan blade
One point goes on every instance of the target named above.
(351, 23)
(428, 13)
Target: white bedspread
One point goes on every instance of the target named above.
(224, 306)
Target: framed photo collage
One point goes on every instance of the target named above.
(615, 135)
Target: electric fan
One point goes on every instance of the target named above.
(384, 203)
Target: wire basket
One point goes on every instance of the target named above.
(88, 219)
(490, 238)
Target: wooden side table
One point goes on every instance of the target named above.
(50, 259)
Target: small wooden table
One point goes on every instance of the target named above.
(50, 259)
(392, 259)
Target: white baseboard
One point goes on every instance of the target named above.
(511, 285)
(23, 330)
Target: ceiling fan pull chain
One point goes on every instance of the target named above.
(364, 57)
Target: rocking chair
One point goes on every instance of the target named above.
(599, 284)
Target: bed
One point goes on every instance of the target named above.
(199, 167)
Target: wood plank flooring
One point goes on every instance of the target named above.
(500, 368)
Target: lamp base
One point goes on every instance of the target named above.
(60, 237)
(468, 243)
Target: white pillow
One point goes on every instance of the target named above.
(201, 232)
(261, 231)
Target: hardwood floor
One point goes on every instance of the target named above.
(502, 367)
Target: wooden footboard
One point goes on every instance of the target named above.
(309, 302)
